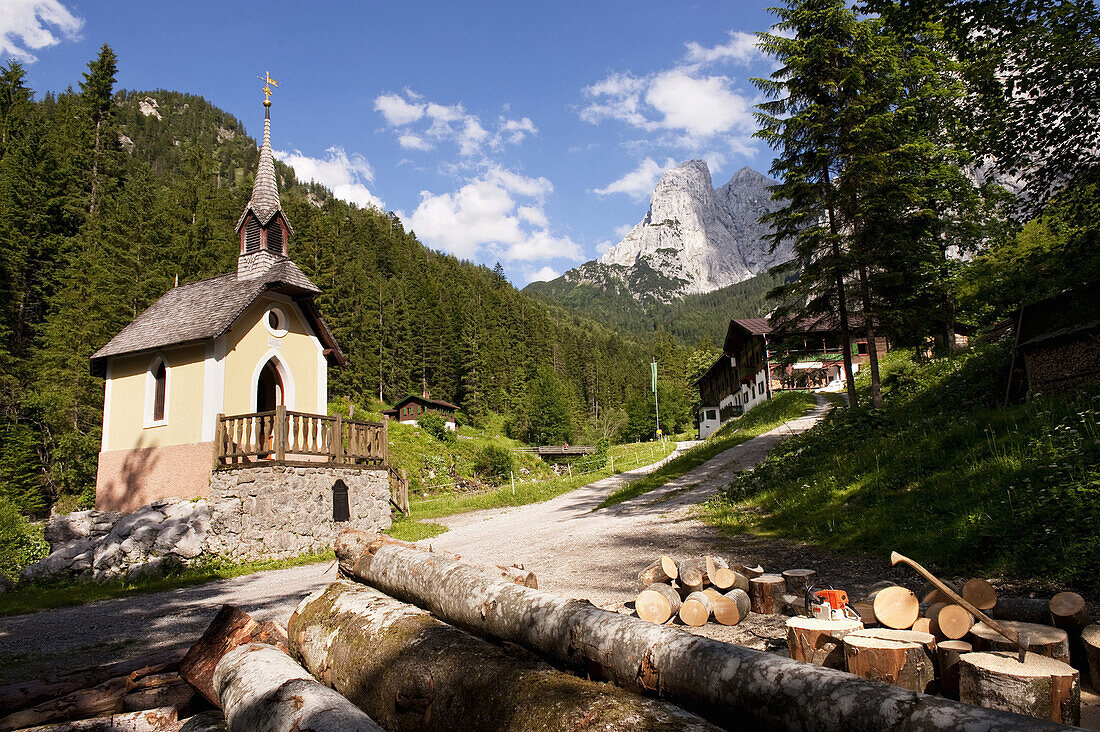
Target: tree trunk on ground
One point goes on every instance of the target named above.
(230, 628)
(1022, 609)
(1040, 687)
(695, 610)
(151, 720)
(262, 689)
(798, 580)
(212, 721)
(897, 660)
(719, 680)
(1043, 640)
(26, 693)
(819, 642)
(896, 607)
(662, 569)
(979, 593)
(158, 690)
(102, 700)
(947, 657)
(766, 593)
(413, 672)
(657, 603)
(1090, 638)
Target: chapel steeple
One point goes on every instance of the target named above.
(263, 228)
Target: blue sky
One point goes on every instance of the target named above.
(530, 134)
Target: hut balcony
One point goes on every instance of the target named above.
(285, 437)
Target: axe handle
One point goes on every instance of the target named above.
(945, 589)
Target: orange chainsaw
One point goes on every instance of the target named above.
(830, 605)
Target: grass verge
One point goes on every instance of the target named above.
(756, 422)
(31, 598)
(943, 474)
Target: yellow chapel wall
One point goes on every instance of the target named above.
(249, 345)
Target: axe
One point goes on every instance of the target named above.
(1020, 641)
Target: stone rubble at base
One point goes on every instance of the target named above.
(273, 512)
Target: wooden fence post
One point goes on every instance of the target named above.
(280, 433)
(219, 440)
(385, 442)
(337, 451)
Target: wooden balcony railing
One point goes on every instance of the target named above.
(283, 437)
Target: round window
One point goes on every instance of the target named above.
(276, 322)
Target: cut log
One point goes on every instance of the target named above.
(1040, 686)
(952, 622)
(210, 721)
(979, 593)
(376, 650)
(158, 690)
(732, 607)
(866, 612)
(933, 610)
(102, 700)
(1043, 640)
(934, 596)
(729, 579)
(695, 610)
(900, 661)
(657, 603)
(720, 680)
(750, 572)
(1069, 611)
(663, 569)
(925, 639)
(27, 693)
(798, 580)
(230, 628)
(922, 625)
(1022, 609)
(896, 607)
(1090, 639)
(262, 689)
(947, 658)
(766, 593)
(693, 572)
(819, 642)
(713, 565)
(151, 720)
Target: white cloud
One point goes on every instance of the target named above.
(485, 217)
(621, 231)
(31, 25)
(638, 183)
(346, 176)
(409, 141)
(700, 107)
(740, 49)
(447, 123)
(604, 247)
(397, 111)
(542, 274)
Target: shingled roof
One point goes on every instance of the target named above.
(206, 310)
(265, 191)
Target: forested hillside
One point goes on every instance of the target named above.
(106, 198)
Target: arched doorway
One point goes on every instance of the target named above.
(269, 388)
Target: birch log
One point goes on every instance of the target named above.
(718, 680)
(413, 672)
(151, 720)
(1041, 686)
(210, 721)
(262, 689)
(230, 628)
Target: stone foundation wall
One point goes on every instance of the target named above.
(279, 511)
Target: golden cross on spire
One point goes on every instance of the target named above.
(268, 83)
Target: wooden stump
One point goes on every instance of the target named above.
(952, 622)
(798, 580)
(1022, 609)
(657, 603)
(947, 657)
(766, 593)
(903, 659)
(1039, 687)
(896, 607)
(663, 569)
(820, 642)
(1043, 640)
(695, 610)
(732, 607)
(1090, 639)
(1069, 610)
(979, 593)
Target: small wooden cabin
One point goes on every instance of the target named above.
(412, 408)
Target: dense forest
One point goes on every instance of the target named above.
(106, 198)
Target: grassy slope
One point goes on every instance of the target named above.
(763, 418)
(942, 474)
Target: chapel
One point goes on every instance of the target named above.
(248, 342)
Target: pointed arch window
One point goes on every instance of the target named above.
(156, 393)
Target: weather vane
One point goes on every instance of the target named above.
(268, 83)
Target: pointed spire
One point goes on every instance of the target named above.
(265, 191)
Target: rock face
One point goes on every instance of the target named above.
(252, 513)
(693, 239)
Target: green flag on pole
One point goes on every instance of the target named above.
(653, 376)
